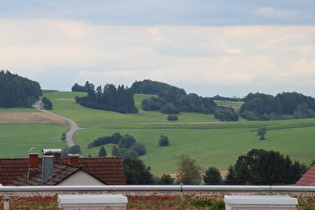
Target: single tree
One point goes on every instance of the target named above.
(63, 137)
(76, 149)
(164, 141)
(261, 132)
(212, 176)
(188, 171)
(172, 118)
(166, 179)
(138, 148)
(136, 173)
(230, 177)
(102, 152)
(47, 103)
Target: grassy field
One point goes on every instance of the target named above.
(228, 103)
(202, 137)
(17, 139)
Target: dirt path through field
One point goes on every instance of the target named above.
(73, 126)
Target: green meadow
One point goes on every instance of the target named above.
(17, 139)
(209, 142)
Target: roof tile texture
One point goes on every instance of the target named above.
(308, 179)
(110, 171)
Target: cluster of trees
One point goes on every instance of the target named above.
(17, 91)
(286, 105)
(171, 100)
(172, 117)
(109, 98)
(137, 173)
(156, 88)
(258, 166)
(76, 149)
(223, 113)
(80, 88)
(261, 167)
(47, 103)
(127, 145)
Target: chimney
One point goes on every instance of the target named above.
(57, 157)
(55, 152)
(33, 163)
(47, 166)
(73, 158)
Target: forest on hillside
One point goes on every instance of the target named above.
(169, 99)
(284, 105)
(172, 100)
(107, 98)
(17, 91)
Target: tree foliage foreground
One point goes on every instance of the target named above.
(212, 176)
(136, 173)
(261, 167)
(188, 171)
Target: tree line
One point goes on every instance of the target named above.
(108, 98)
(172, 100)
(284, 105)
(257, 167)
(17, 91)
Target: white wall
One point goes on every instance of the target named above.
(80, 178)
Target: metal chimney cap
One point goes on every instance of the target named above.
(6, 198)
(51, 151)
(73, 155)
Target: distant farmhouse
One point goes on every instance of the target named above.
(52, 169)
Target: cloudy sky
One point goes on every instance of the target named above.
(208, 47)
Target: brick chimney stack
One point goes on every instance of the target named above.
(73, 159)
(57, 157)
(33, 163)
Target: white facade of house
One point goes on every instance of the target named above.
(80, 178)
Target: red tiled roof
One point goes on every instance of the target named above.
(110, 171)
(61, 172)
(308, 178)
(11, 169)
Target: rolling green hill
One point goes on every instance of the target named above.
(200, 136)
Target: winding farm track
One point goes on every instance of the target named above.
(73, 126)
